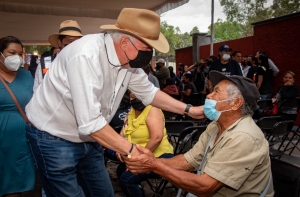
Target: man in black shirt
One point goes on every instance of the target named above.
(189, 87)
(254, 66)
(224, 65)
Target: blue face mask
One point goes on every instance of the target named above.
(210, 110)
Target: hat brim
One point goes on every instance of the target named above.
(215, 77)
(161, 44)
(52, 39)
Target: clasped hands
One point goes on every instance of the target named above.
(142, 160)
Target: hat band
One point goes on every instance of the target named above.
(70, 28)
(141, 35)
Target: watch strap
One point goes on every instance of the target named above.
(187, 109)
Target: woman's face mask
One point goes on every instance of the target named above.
(210, 110)
(13, 62)
(137, 104)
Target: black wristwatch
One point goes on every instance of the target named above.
(187, 109)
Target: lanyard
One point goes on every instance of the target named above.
(203, 160)
(202, 164)
(206, 150)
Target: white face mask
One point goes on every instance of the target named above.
(12, 62)
(226, 57)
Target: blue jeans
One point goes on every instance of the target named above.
(63, 166)
(129, 182)
(265, 96)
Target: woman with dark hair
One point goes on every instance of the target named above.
(144, 126)
(263, 78)
(33, 64)
(288, 90)
(17, 168)
(174, 77)
(170, 88)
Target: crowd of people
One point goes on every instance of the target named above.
(57, 122)
(194, 80)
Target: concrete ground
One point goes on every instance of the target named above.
(294, 158)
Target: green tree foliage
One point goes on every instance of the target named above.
(246, 12)
(227, 30)
(283, 7)
(195, 30)
(175, 38)
(40, 49)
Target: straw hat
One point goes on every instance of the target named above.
(68, 28)
(143, 24)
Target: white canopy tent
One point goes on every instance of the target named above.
(32, 21)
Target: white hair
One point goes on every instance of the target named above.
(117, 35)
(234, 92)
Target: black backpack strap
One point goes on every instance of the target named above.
(42, 66)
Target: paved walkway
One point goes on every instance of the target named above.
(169, 192)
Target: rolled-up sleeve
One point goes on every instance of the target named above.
(141, 87)
(85, 87)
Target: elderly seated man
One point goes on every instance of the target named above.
(237, 162)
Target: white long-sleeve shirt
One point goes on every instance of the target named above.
(82, 91)
(273, 67)
(38, 77)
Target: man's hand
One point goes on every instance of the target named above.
(143, 163)
(120, 157)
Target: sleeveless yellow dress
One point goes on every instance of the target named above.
(137, 132)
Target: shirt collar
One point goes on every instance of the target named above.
(232, 126)
(111, 52)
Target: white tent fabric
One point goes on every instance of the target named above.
(32, 21)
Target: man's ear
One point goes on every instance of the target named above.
(236, 103)
(123, 42)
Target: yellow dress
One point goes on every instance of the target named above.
(137, 132)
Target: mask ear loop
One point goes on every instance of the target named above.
(132, 43)
(2, 56)
(133, 46)
(223, 101)
(107, 55)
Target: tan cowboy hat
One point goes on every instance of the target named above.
(141, 23)
(68, 28)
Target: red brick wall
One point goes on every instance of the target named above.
(245, 45)
(184, 55)
(279, 39)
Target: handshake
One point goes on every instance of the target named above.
(140, 160)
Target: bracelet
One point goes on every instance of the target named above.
(187, 109)
(129, 153)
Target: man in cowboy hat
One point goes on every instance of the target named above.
(232, 152)
(69, 31)
(70, 111)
